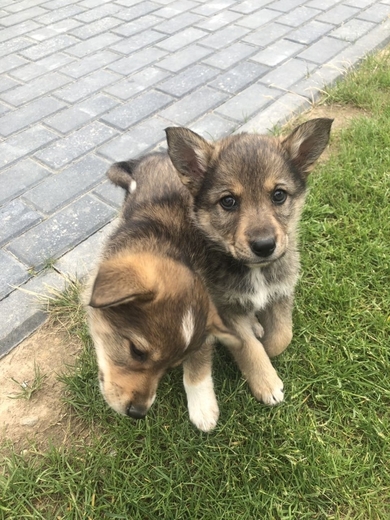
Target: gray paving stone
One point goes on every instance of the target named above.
(137, 42)
(136, 141)
(181, 59)
(32, 70)
(193, 106)
(18, 30)
(58, 190)
(12, 273)
(181, 39)
(352, 30)
(130, 28)
(177, 23)
(284, 76)
(137, 61)
(26, 14)
(259, 18)
(35, 88)
(267, 35)
(94, 44)
(4, 109)
(50, 46)
(97, 105)
(21, 312)
(229, 56)
(87, 86)
(277, 52)
(248, 6)
(175, 8)
(190, 79)
(91, 15)
(44, 33)
(82, 259)
(376, 13)
(136, 83)
(216, 22)
(223, 37)
(75, 145)
(29, 114)
(19, 178)
(144, 105)
(14, 45)
(8, 84)
(239, 77)
(16, 217)
(284, 5)
(312, 86)
(24, 144)
(8, 63)
(297, 16)
(110, 194)
(85, 31)
(338, 14)
(361, 4)
(322, 5)
(83, 66)
(323, 50)
(310, 32)
(213, 127)
(64, 230)
(59, 14)
(138, 10)
(213, 6)
(248, 102)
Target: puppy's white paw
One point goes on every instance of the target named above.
(269, 390)
(202, 404)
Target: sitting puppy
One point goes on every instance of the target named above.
(247, 194)
(148, 309)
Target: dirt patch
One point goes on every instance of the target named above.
(37, 362)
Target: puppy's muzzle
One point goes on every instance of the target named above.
(136, 412)
(263, 247)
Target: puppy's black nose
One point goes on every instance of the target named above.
(136, 413)
(263, 247)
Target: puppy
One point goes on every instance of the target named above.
(247, 193)
(148, 309)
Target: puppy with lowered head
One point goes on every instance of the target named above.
(148, 309)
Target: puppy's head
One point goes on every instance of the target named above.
(248, 190)
(146, 314)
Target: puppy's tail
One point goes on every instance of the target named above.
(120, 175)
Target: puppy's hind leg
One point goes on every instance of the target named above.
(198, 384)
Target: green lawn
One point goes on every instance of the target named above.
(322, 454)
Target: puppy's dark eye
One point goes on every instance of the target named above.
(228, 203)
(279, 196)
(137, 354)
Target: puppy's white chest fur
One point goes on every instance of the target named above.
(262, 291)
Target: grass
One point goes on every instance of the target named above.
(28, 388)
(323, 454)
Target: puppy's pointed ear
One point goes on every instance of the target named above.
(190, 155)
(216, 327)
(307, 142)
(118, 281)
(120, 174)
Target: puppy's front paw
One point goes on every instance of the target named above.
(202, 404)
(257, 329)
(269, 390)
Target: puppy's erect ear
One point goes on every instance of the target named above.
(190, 155)
(217, 328)
(119, 281)
(307, 142)
(120, 174)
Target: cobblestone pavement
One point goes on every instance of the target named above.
(88, 82)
